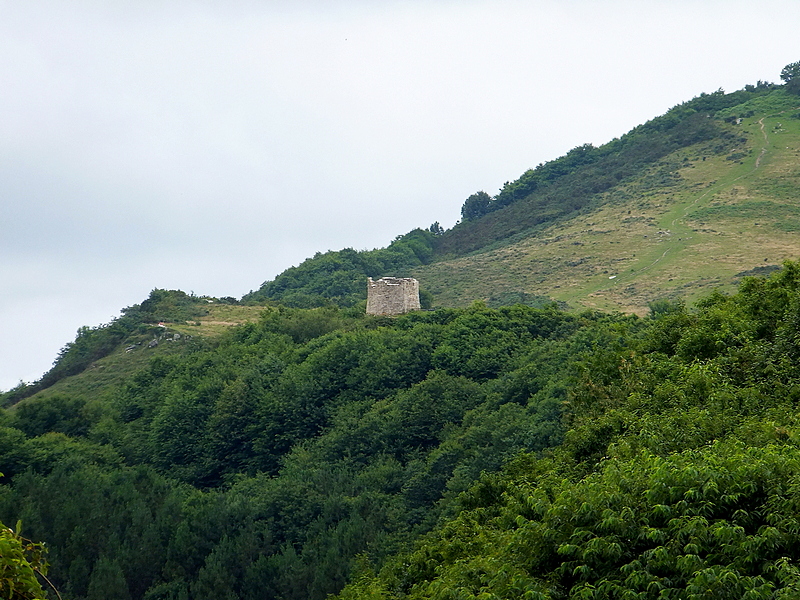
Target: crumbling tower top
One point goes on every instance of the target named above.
(392, 295)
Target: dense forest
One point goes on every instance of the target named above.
(493, 451)
(272, 458)
(677, 477)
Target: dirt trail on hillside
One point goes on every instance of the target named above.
(704, 194)
(766, 141)
(711, 188)
(764, 133)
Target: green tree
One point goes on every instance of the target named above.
(107, 581)
(436, 229)
(20, 560)
(790, 75)
(57, 413)
(790, 71)
(476, 206)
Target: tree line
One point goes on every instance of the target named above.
(268, 461)
(513, 451)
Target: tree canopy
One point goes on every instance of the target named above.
(505, 451)
(790, 75)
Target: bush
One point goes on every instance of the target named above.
(20, 560)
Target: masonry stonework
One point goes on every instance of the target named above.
(392, 296)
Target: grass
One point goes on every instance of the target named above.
(219, 319)
(103, 378)
(693, 222)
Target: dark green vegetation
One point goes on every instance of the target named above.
(637, 455)
(790, 75)
(263, 462)
(339, 278)
(677, 478)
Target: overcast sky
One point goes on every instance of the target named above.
(208, 145)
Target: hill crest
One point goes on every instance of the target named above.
(679, 205)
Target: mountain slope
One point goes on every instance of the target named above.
(263, 461)
(677, 478)
(693, 220)
(311, 447)
(665, 211)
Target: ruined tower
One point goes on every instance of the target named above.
(392, 296)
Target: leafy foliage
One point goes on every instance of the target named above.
(477, 205)
(167, 305)
(477, 451)
(338, 278)
(790, 75)
(790, 71)
(718, 522)
(272, 459)
(676, 478)
(20, 560)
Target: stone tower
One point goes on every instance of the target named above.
(392, 296)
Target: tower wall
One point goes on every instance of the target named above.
(392, 296)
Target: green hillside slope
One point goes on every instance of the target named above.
(284, 457)
(265, 460)
(112, 350)
(682, 204)
(290, 446)
(696, 219)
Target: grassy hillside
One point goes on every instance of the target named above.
(684, 203)
(101, 378)
(696, 219)
(166, 321)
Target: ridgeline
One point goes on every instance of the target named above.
(686, 203)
